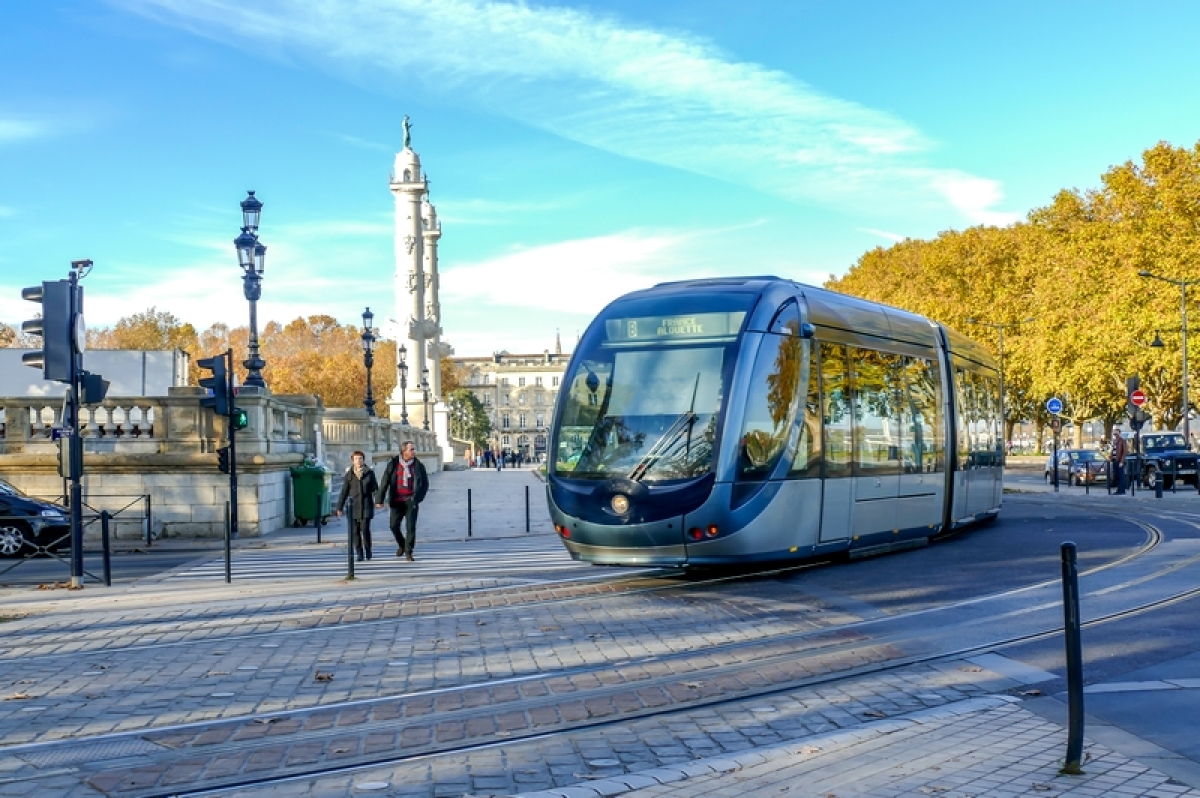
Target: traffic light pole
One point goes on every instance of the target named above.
(232, 433)
(75, 443)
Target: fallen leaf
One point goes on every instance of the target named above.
(1035, 691)
(481, 623)
(217, 673)
(692, 685)
(17, 697)
(1042, 787)
(972, 669)
(809, 749)
(265, 720)
(323, 676)
(874, 713)
(464, 634)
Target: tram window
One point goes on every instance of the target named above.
(835, 409)
(922, 418)
(807, 462)
(964, 403)
(770, 405)
(787, 320)
(876, 429)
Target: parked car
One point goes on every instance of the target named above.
(1168, 453)
(1078, 466)
(27, 523)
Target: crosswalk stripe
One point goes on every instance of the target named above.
(459, 559)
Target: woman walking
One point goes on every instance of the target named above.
(358, 490)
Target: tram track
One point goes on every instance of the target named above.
(466, 717)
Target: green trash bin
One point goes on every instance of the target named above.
(310, 493)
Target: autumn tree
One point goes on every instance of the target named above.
(468, 418)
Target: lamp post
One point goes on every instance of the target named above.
(1183, 287)
(368, 339)
(403, 366)
(1000, 327)
(425, 398)
(251, 257)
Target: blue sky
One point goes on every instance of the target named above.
(576, 151)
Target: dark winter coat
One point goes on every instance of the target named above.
(359, 494)
(387, 485)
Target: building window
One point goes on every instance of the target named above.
(504, 421)
(487, 399)
(521, 421)
(520, 398)
(504, 381)
(538, 399)
(504, 398)
(537, 380)
(505, 440)
(487, 379)
(554, 382)
(541, 420)
(521, 382)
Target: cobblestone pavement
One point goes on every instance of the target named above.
(435, 684)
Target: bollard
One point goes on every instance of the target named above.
(468, 512)
(149, 522)
(228, 535)
(349, 548)
(1071, 626)
(1174, 474)
(1108, 486)
(104, 548)
(1158, 484)
(526, 508)
(320, 522)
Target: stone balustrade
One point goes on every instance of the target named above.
(164, 447)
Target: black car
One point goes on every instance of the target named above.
(28, 524)
(1078, 466)
(1167, 453)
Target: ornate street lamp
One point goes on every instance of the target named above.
(252, 256)
(368, 339)
(1183, 287)
(403, 366)
(1000, 327)
(425, 399)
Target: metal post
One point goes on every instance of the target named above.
(104, 548)
(1187, 437)
(1056, 459)
(319, 520)
(75, 446)
(349, 546)
(233, 497)
(468, 512)
(526, 508)
(228, 535)
(149, 522)
(1070, 576)
(1158, 488)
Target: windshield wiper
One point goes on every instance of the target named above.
(685, 422)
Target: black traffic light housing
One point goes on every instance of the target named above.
(57, 327)
(223, 459)
(218, 383)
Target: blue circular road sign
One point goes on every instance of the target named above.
(1054, 405)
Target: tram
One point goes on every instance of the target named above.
(755, 419)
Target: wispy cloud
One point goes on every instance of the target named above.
(15, 129)
(893, 237)
(638, 92)
(363, 144)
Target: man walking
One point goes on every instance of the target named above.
(1119, 451)
(403, 487)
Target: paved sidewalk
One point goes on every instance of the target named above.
(976, 748)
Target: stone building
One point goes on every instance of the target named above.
(518, 392)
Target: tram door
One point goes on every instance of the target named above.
(837, 484)
(876, 385)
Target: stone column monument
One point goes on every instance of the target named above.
(408, 187)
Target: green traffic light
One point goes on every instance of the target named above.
(241, 419)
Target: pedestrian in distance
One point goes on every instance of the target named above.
(1119, 450)
(403, 488)
(358, 491)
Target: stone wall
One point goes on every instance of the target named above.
(159, 453)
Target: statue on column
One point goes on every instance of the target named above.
(407, 133)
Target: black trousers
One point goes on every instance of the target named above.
(406, 512)
(361, 529)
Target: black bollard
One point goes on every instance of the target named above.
(468, 512)
(320, 521)
(526, 508)
(228, 534)
(349, 547)
(104, 547)
(1158, 484)
(1071, 625)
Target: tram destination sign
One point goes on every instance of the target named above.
(676, 327)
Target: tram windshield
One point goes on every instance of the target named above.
(644, 393)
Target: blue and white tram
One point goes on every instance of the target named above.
(755, 419)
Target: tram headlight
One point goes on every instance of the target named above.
(619, 504)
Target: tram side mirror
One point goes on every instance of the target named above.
(808, 330)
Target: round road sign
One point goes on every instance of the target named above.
(1054, 405)
(1138, 398)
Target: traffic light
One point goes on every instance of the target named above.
(92, 388)
(241, 419)
(223, 459)
(56, 327)
(218, 383)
